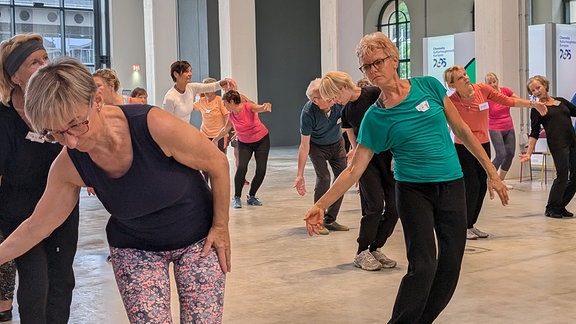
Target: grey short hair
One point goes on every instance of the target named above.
(313, 87)
(55, 90)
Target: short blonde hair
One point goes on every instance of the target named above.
(110, 76)
(55, 90)
(449, 73)
(6, 48)
(371, 42)
(540, 79)
(333, 82)
(490, 75)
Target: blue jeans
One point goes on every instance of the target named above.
(425, 209)
(322, 156)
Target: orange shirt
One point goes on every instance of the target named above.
(214, 115)
(475, 112)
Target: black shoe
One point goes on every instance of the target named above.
(553, 214)
(566, 213)
(6, 316)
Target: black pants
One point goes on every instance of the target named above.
(46, 276)
(564, 186)
(260, 149)
(475, 180)
(321, 156)
(432, 276)
(377, 186)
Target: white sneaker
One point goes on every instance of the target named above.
(383, 259)
(471, 235)
(478, 232)
(366, 261)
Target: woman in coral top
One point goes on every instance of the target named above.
(501, 128)
(471, 101)
(252, 139)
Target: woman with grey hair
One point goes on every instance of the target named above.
(143, 165)
(45, 273)
(410, 118)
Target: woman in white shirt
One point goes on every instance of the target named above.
(179, 100)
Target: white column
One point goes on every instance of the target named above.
(498, 50)
(341, 25)
(238, 44)
(161, 46)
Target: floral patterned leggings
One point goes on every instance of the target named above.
(7, 278)
(144, 283)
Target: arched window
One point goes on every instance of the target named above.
(69, 27)
(394, 22)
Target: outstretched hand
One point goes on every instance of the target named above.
(300, 186)
(498, 185)
(314, 220)
(540, 107)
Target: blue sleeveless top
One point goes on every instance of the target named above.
(159, 204)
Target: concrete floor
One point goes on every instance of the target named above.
(524, 273)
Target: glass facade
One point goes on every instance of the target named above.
(69, 27)
(394, 22)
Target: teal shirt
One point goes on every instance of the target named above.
(323, 129)
(416, 131)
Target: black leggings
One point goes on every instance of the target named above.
(260, 150)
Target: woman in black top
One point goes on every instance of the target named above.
(561, 141)
(45, 274)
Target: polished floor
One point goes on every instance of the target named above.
(525, 272)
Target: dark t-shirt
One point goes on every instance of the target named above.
(159, 204)
(557, 123)
(24, 166)
(354, 111)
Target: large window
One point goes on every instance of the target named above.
(394, 22)
(69, 27)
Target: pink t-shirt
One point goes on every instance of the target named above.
(499, 118)
(475, 112)
(248, 126)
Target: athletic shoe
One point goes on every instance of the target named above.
(385, 261)
(253, 201)
(336, 227)
(478, 232)
(237, 203)
(366, 261)
(471, 235)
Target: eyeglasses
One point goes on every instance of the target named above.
(75, 130)
(376, 64)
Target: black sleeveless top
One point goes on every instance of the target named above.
(159, 204)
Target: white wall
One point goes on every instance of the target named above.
(238, 44)
(127, 42)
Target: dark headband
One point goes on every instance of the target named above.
(20, 54)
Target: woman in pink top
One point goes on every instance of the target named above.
(501, 128)
(471, 101)
(252, 139)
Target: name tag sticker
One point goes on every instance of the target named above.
(208, 111)
(339, 121)
(483, 106)
(35, 137)
(556, 102)
(423, 106)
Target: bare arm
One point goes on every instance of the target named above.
(59, 199)
(315, 216)
(462, 131)
(303, 151)
(353, 143)
(529, 150)
(188, 146)
(225, 130)
(266, 107)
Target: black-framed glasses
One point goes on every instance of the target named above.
(376, 64)
(75, 130)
